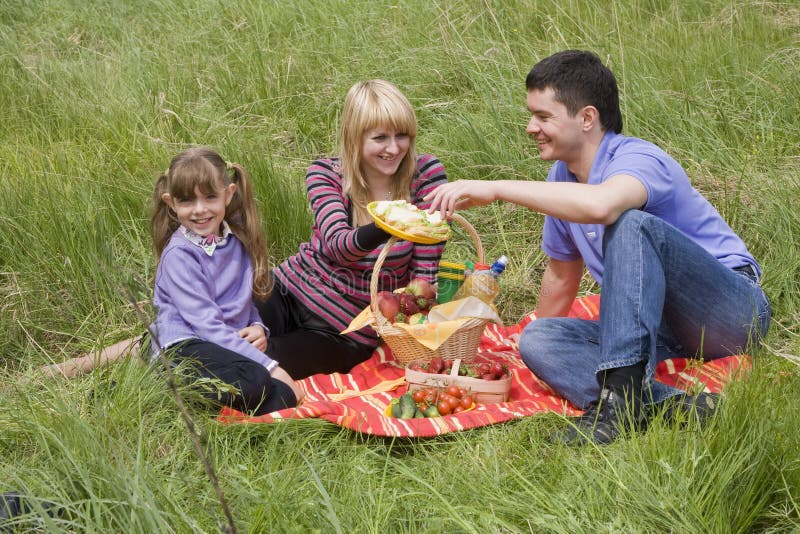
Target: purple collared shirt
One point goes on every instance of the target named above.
(670, 196)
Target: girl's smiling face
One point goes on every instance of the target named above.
(204, 212)
(382, 151)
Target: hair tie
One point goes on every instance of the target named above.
(166, 173)
(229, 165)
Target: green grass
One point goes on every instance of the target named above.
(96, 97)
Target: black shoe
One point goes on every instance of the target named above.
(13, 504)
(10, 506)
(684, 407)
(604, 420)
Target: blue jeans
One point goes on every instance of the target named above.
(663, 296)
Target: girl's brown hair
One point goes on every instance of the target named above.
(369, 105)
(204, 168)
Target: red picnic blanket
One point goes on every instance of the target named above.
(355, 400)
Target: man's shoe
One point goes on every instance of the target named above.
(684, 407)
(13, 504)
(604, 420)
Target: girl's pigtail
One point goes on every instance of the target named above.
(162, 221)
(245, 222)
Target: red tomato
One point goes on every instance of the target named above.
(418, 395)
(484, 368)
(453, 402)
(466, 402)
(443, 407)
(462, 392)
(488, 376)
(453, 390)
(458, 409)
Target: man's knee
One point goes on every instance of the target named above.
(630, 220)
(631, 223)
(534, 338)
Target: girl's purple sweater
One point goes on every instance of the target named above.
(206, 297)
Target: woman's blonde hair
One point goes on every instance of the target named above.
(369, 105)
(205, 169)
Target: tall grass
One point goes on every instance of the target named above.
(96, 97)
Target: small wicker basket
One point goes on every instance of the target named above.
(482, 391)
(464, 341)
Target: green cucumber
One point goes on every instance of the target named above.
(407, 406)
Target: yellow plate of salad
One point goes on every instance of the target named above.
(408, 222)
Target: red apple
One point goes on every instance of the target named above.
(388, 304)
(421, 288)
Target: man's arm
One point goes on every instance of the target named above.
(559, 287)
(576, 202)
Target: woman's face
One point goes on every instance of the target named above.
(382, 152)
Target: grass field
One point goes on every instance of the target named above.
(96, 97)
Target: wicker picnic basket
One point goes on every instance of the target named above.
(464, 341)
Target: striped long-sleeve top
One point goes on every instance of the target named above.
(331, 273)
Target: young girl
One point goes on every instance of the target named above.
(211, 264)
(319, 290)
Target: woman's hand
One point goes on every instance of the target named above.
(255, 335)
(279, 374)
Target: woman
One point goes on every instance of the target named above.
(319, 290)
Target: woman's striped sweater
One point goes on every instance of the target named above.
(331, 273)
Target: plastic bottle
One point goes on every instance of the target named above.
(482, 283)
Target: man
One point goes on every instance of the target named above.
(675, 278)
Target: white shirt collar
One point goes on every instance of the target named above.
(210, 242)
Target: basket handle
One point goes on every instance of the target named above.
(376, 270)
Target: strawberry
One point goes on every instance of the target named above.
(408, 304)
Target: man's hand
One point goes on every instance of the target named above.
(255, 335)
(459, 195)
